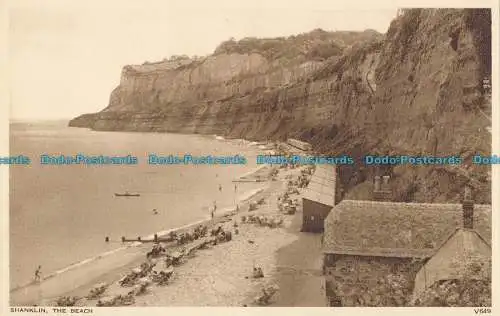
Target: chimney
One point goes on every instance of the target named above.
(385, 184)
(377, 184)
(468, 209)
(382, 191)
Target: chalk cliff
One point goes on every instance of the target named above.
(418, 90)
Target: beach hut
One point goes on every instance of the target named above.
(318, 198)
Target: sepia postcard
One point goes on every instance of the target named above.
(164, 154)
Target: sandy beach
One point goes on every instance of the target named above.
(218, 276)
(79, 204)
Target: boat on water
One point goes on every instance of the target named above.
(127, 194)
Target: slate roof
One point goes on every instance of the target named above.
(321, 187)
(396, 229)
(321, 198)
(325, 171)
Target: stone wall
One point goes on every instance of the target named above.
(369, 281)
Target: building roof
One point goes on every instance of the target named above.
(321, 187)
(325, 171)
(321, 198)
(396, 229)
(452, 260)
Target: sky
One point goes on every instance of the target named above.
(66, 57)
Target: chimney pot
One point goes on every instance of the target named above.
(467, 193)
(377, 183)
(468, 214)
(468, 209)
(385, 184)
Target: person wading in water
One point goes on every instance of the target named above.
(214, 209)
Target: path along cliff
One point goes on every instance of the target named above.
(416, 90)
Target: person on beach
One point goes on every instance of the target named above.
(155, 212)
(214, 209)
(38, 272)
(235, 187)
(220, 188)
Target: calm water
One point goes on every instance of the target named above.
(60, 215)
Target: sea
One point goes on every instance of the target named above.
(60, 215)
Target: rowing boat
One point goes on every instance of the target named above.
(127, 194)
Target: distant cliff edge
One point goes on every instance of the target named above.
(418, 89)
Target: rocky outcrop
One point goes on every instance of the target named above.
(418, 90)
(429, 98)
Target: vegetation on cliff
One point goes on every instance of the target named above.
(317, 45)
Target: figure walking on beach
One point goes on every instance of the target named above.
(38, 272)
(220, 188)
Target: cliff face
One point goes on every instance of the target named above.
(416, 91)
(243, 90)
(429, 101)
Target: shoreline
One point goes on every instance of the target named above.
(31, 287)
(257, 173)
(222, 273)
